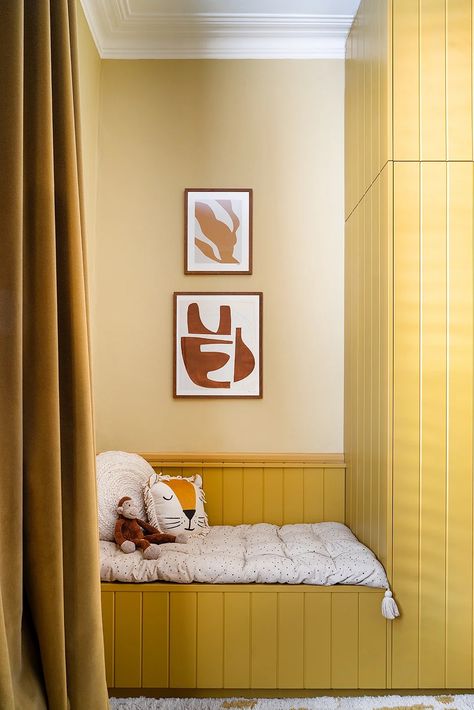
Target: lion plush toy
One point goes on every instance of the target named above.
(129, 531)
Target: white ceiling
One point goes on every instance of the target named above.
(220, 29)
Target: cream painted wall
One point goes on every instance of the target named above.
(89, 96)
(275, 126)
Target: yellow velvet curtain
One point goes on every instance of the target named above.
(51, 653)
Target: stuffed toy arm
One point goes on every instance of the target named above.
(149, 528)
(125, 545)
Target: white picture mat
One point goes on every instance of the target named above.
(196, 260)
(245, 314)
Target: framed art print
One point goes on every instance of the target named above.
(218, 231)
(218, 345)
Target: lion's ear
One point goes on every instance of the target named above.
(197, 480)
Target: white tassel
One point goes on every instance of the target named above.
(389, 606)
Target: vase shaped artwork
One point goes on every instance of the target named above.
(218, 345)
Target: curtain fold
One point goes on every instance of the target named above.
(51, 648)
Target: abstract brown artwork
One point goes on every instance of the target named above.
(217, 345)
(218, 232)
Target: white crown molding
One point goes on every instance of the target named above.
(121, 33)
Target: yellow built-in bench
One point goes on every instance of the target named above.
(249, 636)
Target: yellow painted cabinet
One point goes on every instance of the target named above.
(243, 636)
(409, 325)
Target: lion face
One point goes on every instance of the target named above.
(176, 504)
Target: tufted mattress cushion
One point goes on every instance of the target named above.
(322, 553)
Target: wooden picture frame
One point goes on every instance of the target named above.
(218, 338)
(218, 231)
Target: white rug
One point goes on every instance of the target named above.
(388, 702)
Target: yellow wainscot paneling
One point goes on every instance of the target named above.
(460, 355)
(360, 413)
(212, 484)
(128, 640)
(313, 494)
(155, 665)
(334, 499)
(433, 425)
(317, 640)
(233, 496)
(273, 495)
(375, 370)
(264, 640)
(384, 550)
(210, 640)
(237, 640)
(290, 640)
(432, 80)
(406, 424)
(406, 86)
(253, 495)
(108, 625)
(409, 331)
(293, 496)
(372, 670)
(459, 79)
(345, 641)
(183, 639)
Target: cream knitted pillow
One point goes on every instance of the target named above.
(119, 474)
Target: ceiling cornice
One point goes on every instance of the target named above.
(121, 33)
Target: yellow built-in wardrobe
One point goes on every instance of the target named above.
(409, 323)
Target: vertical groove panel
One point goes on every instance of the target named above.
(128, 639)
(237, 640)
(459, 79)
(368, 453)
(232, 493)
(345, 640)
(406, 424)
(317, 640)
(264, 640)
(183, 636)
(360, 376)
(210, 640)
(173, 470)
(155, 671)
(375, 372)
(253, 495)
(432, 80)
(385, 107)
(372, 642)
(313, 495)
(360, 91)
(350, 404)
(406, 89)
(212, 484)
(459, 423)
(433, 424)
(386, 350)
(108, 616)
(349, 125)
(293, 505)
(368, 138)
(334, 495)
(290, 640)
(273, 496)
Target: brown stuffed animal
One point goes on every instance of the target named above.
(129, 531)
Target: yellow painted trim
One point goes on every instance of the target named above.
(254, 588)
(283, 460)
(272, 693)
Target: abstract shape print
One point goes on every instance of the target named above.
(217, 345)
(218, 232)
